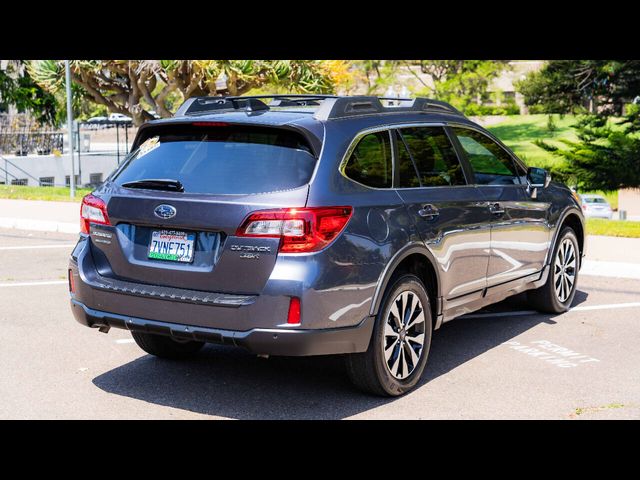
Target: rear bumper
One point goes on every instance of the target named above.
(275, 341)
(326, 302)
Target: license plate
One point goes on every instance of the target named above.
(171, 245)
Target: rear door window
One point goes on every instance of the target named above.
(407, 173)
(433, 155)
(222, 159)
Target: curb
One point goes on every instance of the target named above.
(39, 225)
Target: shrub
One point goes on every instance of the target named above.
(474, 109)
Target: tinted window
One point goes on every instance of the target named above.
(370, 163)
(222, 159)
(434, 157)
(408, 177)
(491, 164)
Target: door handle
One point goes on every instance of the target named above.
(496, 209)
(428, 211)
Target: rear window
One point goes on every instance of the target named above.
(595, 200)
(222, 159)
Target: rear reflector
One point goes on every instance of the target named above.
(301, 230)
(294, 311)
(72, 284)
(93, 210)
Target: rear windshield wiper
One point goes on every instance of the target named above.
(156, 184)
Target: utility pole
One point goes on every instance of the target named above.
(72, 177)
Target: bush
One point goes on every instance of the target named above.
(474, 109)
(632, 109)
(537, 109)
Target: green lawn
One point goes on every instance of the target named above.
(519, 132)
(60, 194)
(613, 228)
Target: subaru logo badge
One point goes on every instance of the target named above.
(165, 211)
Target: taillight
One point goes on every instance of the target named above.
(93, 210)
(301, 230)
(584, 206)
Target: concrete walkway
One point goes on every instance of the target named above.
(613, 249)
(40, 215)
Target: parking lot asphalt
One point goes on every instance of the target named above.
(503, 362)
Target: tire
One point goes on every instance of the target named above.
(548, 299)
(166, 347)
(370, 371)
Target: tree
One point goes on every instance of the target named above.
(572, 86)
(607, 157)
(136, 87)
(19, 89)
(378, 74)
(461, 82)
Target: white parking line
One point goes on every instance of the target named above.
(583, 308)
(606, 307)
(33, 284)
(502, 314)
(38, 247)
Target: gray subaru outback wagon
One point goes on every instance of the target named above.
(314, 225)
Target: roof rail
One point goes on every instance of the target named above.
(366, 105)
(329, 106)
(200, 105)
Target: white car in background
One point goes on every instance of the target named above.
(118, 117)
(596, 206)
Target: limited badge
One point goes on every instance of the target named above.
(148, 145)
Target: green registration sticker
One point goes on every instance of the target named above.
(163, 256)
(172, 245)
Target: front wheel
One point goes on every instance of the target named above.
(557, 294)
(399, 345)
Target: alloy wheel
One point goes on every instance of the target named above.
(564, 270)
(403, 339)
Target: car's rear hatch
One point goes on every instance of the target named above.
(186, 239)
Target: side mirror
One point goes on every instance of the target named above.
(538, 177)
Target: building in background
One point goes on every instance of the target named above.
(502, 89)
(629, 202)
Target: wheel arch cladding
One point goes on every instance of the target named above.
(572, 220)
(420, 265)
